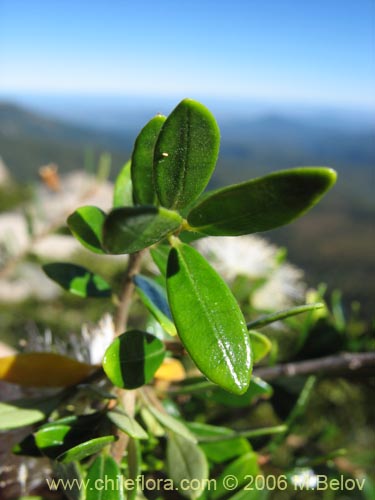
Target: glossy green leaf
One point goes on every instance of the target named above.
(154, 298)
(261, 204)
(143, 160)
(208, 320)
(241, 469)
(86, 449)
(86, 224)
(173, 424)
(104, 480)
(185, 154)
(220, 450)
(260, 345)
(54, 438)
(127, 424)
(130, 229)
(186, 463)
(123, 189)
(77, 280)
(280, 315)
(53, 435)
(133, 358)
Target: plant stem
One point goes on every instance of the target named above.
(127, 289)
(126, 398)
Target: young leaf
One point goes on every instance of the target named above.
(280, 315)
(86, 449)
(173, 424)
(43, 369)
(186, 462)
(130, 229)
(123, 189)
(260, 345)
(219, 451)
(241, 469)
(133, 358)
(142, 162)
(86, 225)
(185, 154)
(104, 472)
(208, 320)
(127, 424)
(77, 280)
(154, 298)
(263, 203)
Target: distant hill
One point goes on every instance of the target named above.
(248, 147)
(29, 140)
(333, 243)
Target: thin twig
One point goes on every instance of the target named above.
(343, 364)
(127, 398)
(127, 289)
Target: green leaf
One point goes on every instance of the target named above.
(86, 449)
(261, 204)
(77, 280)
(53, 435)
(153, 426)
(219, 451)
(86, 225)
(173, 424)
(73, 473)
(185, 154)
(154, 298)
(186, 463)
(241, 469)
(13, 416)
(127, 424)
(104, 480)
(260, 345)
(134, 468)
(133, 358)
(123, 189)
(22, 412)
(159, 255)
(130, 229)
(280, 315)
(56, 437)
(142, 162)
(208, 320)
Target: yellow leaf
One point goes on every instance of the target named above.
(170, 371)
(43, 369)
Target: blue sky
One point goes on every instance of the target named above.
(320, 51)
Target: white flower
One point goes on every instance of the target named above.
(253, 257)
